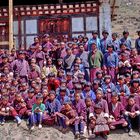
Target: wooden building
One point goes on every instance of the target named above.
(57, 18)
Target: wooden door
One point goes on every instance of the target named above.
(56, 28)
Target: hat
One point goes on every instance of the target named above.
(96, 82)
(91, 115)
(75, 81)
(98, 106)
(23, 84)
(105, 32)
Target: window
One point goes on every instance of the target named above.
(84, 25)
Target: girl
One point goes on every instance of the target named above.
(101, 122)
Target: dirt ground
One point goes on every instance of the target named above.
(10, 131)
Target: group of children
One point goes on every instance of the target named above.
(91, 85)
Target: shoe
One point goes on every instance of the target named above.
(2, 123)
(32, 128)
(77, 135)
(19, 122)
(39, 126)
(60, 128)
(130, 133)
(105, 136)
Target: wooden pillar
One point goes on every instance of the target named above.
(11, 42)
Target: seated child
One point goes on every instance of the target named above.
(101, 122)
(132, 114)
(37, 112)
(6, 110)
(19, 105)
(116, 110)
(66, 117)
(52, 107)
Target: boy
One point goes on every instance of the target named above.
(117, 111)
(37, 112)
(132, 114)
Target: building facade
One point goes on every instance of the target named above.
(70, 19)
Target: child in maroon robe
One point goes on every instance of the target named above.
(117, 111)
(100, 100)
(30, 100)
(19, 105)
(80, 107)
(89, 112)
(101, 122)
(132, 114)
(66, 117)
(6, 110)
(135, 90)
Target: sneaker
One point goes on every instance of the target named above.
(39, 126)
(77, 135)
(19, 122)
(130, 133)
(2, 123)
(32, 128)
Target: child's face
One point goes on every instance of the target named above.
(114, 99)
(131, 101)
(18, 97)
(135, 85)
(77, 97)
(87, 88)
(5, 101)
(30, 95)
(107, 80)
(98, 96)
(98, 110)
(52, 97)
(121, 81)
(67, 107)
(45, 93)
(88, 102)
(39, 101)
(62, 93)
(99, 76)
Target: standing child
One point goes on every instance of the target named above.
(37, 112)
(80, 107)
(101, 122)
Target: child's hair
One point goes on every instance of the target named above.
(114, 94)
(39, 96)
